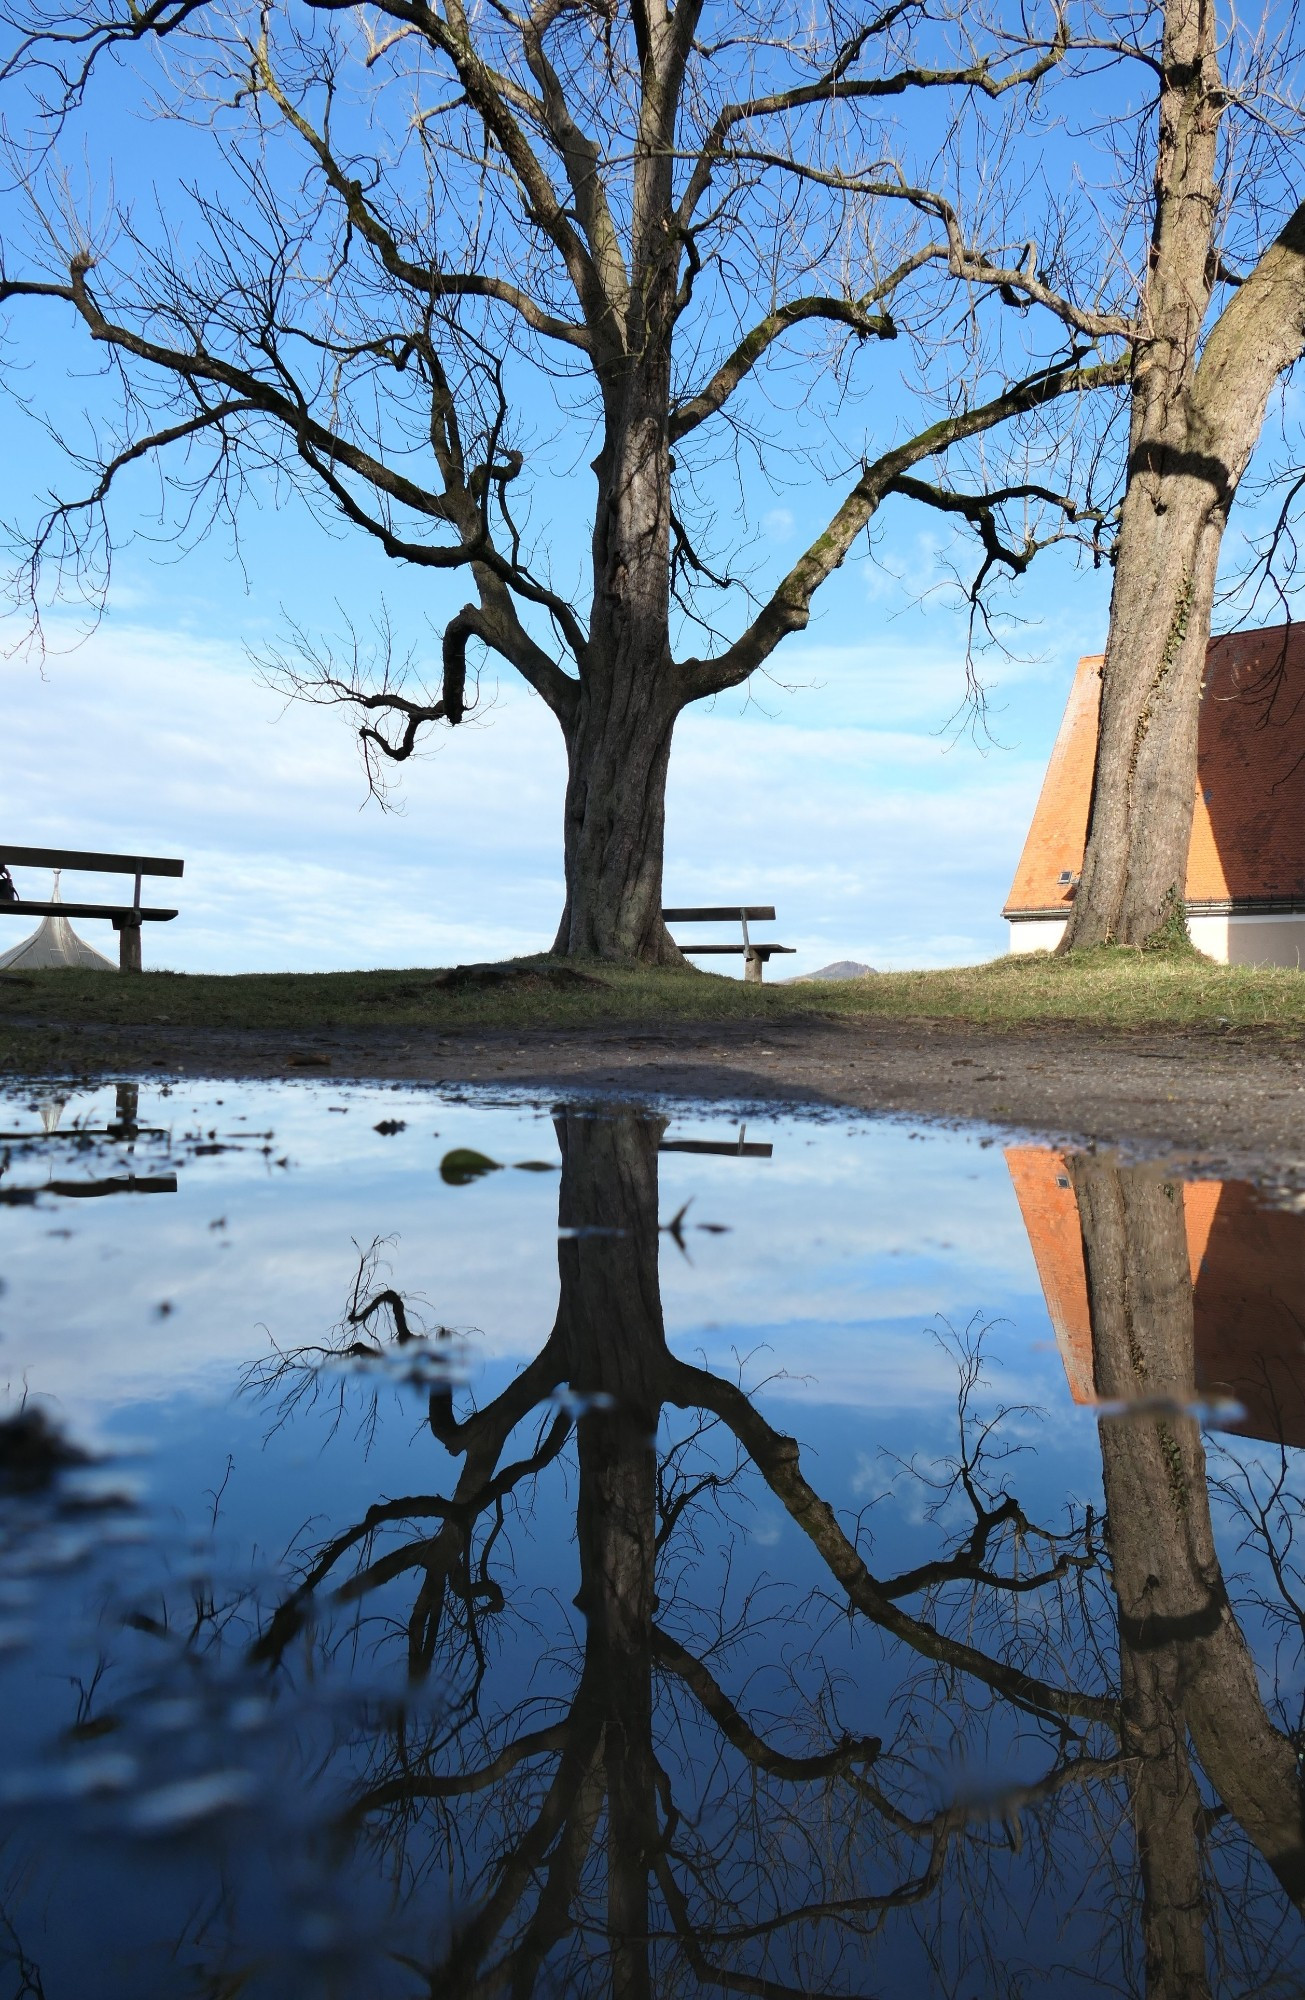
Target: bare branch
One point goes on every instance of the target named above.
(851, 313)
(789, 606)
(837, 86)
(422, 278)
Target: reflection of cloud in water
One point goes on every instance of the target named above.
(844, 1685)
(822, 1261)
(885, 1361)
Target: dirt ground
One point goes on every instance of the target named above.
(1226, 1106)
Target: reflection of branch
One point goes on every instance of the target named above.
(940, 1831)
(851, 1753)
(967, 1565)
(31, 1985)
(436, 1555)
(534, 1385)
(420, 1785)
(776, 1458)
(576, 1781)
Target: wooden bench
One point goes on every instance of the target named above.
(126, 918)
(754, 955)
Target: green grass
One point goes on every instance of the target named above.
(1107, 989)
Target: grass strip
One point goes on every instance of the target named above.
(1105, 989)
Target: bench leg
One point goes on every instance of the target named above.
(753, 966)
(128, 944)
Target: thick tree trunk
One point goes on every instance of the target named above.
(1135, 866)
(1174, 517)
(618, 752)
(611, 1318)
(619, 738)
(1194, 426)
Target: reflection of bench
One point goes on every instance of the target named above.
(741, 1148)
(754, 955)
(126, 918)
(25, 1197)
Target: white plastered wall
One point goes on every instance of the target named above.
(1249, 940)
(1037, 934)
(1231, 940)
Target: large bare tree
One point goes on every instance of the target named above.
(443, 255)
(1208, 346)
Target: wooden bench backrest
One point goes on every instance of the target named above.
(761, 913)
(100, 864)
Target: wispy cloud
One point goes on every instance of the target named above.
(842, 802)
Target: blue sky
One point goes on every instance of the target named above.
(835, 787)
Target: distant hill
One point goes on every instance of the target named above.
(842, 968)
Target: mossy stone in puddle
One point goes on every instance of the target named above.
(464, 1164)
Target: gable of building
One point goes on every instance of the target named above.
(1247, 848)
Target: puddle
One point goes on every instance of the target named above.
(802, 1559)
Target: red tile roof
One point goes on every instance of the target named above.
(1248, 830)
(1248, 1278)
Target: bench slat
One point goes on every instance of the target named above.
(736, 950)
(746, 1149)
(101, 864)
(761, 913)
(22, 908)
(120, 1184)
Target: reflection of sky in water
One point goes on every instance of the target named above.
(843, 1261)
(842, 1279)
(839, 1247)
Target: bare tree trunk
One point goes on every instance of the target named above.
(1142, 799)
(611, 1316)
(1135, 868)
(619, 738)
(1185, 1670)
(618, 751)
(1196, 419)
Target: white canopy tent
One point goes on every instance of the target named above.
(54, 942)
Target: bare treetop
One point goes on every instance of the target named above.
(449, 258)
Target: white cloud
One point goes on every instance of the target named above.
(874, 836)
(155, 742)
(778, 523)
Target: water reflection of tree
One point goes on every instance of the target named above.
(666, 1824)
(1188, 1684)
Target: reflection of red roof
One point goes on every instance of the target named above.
(1250, 1314)
(1248, 1277)
(1046, 1198)
(1248, 831)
